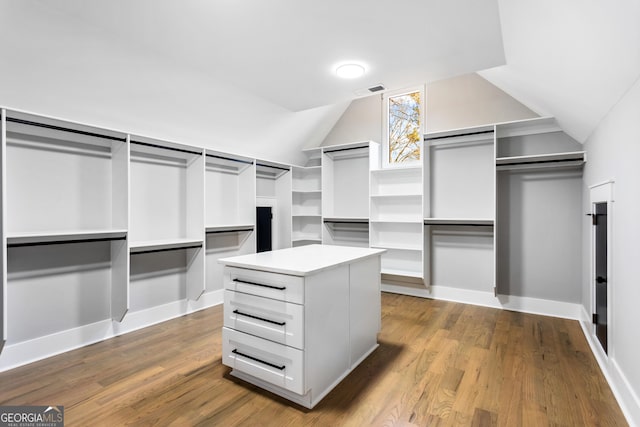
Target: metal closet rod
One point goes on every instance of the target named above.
(539, 162)
(150, 251)
(273, 167)
(62, 242)
(248, 162)
(181, 150)
(64, 129)
(235, 230)
(344, 149)
(458, 134)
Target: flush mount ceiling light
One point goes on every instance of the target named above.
(350, 71)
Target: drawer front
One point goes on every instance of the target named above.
(271, 362)
(274, 320)
(270, 285)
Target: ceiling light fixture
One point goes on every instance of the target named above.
(350, 71)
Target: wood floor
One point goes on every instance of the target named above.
(438, 363)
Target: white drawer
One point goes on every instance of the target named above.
(275, 320)
(270, 285)
(271, 362)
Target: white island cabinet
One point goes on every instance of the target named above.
(299, 320)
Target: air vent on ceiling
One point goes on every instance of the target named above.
(377, 88)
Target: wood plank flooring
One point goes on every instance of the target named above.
(438, 364)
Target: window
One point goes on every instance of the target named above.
(404, 128)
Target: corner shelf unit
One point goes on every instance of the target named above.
(306, 205)
(345, 190)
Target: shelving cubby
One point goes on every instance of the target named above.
(273, 189)
(459, 207)
(230, 197)
(538, 203)
(306, 205)
(64, 251)
(396, 223)
(166, 235)
(345, 193)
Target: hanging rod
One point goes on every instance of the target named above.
(273, 167)
(181, 150)
(345, 149)
(433, 138)
(64, 129)
(61, 242)
(539, 162)
(232, 230)
(166, 249)
(248, 162)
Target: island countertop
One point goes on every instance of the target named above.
(301, 260)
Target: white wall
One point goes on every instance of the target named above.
(459, 102)
(54, 65)
(613, 151)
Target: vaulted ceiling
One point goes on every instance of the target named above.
(245, 72)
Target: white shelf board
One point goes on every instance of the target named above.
(307, 191)
(537, 161)
(165, 244)
(405, 273)
(21, 238)
(458, 221)
(384, 221)
(297, 237)
(527, 127)
(397, 170)
(223, 162)
(228, 227)
(460, 136)
(347, 151)
(397, 195)
(306, 215)
(415, 248)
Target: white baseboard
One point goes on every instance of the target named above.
(23, 353)
(620, 385)
(544, 307)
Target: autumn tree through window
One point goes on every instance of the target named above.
(404, 128)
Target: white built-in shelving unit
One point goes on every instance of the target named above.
(345, 193)
(396, 222)
(273, 188)
(459, 207)
(306, 202)
(230, 200)
(538, 210)
(166, 232)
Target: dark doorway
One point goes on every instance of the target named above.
(600, 253)
(263, 229)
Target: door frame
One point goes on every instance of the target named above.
(602, 193)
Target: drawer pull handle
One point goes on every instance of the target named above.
(259, 318)
(273, 365)
(280, 288)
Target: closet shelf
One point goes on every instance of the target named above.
(414, 248)
(298, 237)
(306, 215)
(225, 163)
(397, 195)
(397, 221)
(347, 151)
(307, 191)
(459, 221)
(163, 245)
(554, 160)
(229, 228)
(404, 273)
(35, 238)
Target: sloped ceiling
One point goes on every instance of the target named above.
(571, 59)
